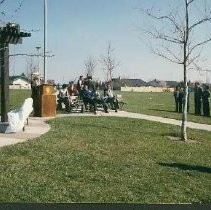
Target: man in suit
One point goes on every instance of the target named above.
(89, 97)
(205, 100)
(197, 98)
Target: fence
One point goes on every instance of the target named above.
(26, 87)
(147, 89)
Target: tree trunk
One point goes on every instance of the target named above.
(185, 59)
(184, 115)
(185, 97)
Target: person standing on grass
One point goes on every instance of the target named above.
(188, 102)
(176, 98)
(197, 98)
(181, 99)
(205, 101)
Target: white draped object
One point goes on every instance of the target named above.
(18, 117)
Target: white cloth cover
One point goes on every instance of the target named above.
(17, 118)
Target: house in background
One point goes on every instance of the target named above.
(19, 82)
(118, 83)
(158, 83)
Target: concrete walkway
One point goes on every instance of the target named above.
(34, 129)
(37, 126)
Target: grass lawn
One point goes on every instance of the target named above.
(159, 104)
(105, 159)
(17, 97)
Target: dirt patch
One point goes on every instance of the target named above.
(177, 139)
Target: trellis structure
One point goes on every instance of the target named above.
(10, 34)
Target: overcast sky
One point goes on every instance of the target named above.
(79, 29)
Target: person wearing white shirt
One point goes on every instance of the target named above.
(111, 99)
(63, 97)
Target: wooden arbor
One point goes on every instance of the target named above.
(10, 34)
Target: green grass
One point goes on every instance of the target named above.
(110, 160)
(159, 104)
(17, 97)
(105, 159)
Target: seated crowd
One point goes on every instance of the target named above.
(89, 92)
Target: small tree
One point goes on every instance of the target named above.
(90, 65)
(109, 63)
(176, 31)
(30, 67)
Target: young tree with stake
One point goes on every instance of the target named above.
(177, 42)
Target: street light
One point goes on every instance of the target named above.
(45, 41)
(38, 60)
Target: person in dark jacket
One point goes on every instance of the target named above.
(35, 88)
(197, 98)
(180, 99)
(89, 97)
(176, 98)
(80, 83)
(205, 101)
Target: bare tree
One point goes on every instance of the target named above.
(109, 63)
(90, 65)
(180, 40)
(30, 67)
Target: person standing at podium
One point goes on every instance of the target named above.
(35, 88)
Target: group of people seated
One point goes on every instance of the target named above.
(89, 92)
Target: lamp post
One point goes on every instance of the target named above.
(45, 41)
(38, 60)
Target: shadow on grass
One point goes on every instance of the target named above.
(173, 134)
(162, 110)
(185, 167)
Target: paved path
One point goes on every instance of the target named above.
(34, 129)
(37, 126)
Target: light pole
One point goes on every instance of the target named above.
(38, 60)
(45, 41)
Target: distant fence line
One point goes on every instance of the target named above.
(18, 87)
(124, 89)
(147, 89)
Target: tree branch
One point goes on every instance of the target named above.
(158, 35)
(190, 61)
(29, 55)
(198, 45)
(204, 20)
(178, 60)
(165, 17)
(198, 68)
(166, 57)
(191, 1)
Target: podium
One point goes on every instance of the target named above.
(46, 103)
